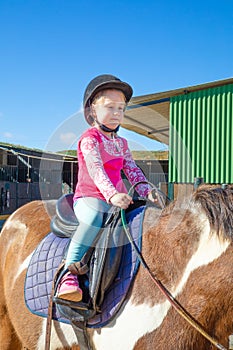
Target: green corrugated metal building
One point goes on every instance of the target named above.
(197, 124)
(201, 130)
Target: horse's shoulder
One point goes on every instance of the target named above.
(151, 217)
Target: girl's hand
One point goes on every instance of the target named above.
(153, 197)
(121, 200)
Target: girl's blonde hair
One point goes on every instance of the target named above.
(101, 94)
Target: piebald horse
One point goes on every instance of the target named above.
(187, 246)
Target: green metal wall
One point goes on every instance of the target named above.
(201, 136)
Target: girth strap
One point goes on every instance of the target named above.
(80, 330)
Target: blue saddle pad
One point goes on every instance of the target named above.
(47, 258)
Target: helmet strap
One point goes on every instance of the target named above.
(105, 128)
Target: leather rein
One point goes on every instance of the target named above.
(161, 199)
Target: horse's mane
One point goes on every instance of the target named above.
(217, 204)
(212, 200)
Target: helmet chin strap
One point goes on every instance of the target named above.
(105, 128)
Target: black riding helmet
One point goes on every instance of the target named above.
(103, 82)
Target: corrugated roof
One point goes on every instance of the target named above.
(149, 114)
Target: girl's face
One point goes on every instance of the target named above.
(109, 108)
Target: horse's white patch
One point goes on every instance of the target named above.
(20, 228)
(132, 324)
(137, 320)
(22, 267)
(14, 223)
(22, 231)
(210, 248)
(123, 333)
(62, 335)
(12, 240)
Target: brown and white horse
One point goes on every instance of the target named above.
(188, 247)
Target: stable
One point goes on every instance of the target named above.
(30, 174)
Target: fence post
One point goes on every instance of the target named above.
(171, 190)
(197, 182)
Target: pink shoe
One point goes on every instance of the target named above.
(69, 288)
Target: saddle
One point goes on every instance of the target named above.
(100, 264)
(111, 266)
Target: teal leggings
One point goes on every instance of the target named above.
(90, 213)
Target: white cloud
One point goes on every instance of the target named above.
(68, 138)
(8, 135)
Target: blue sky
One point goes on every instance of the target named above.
(51, 49)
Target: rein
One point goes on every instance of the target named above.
(175, 304)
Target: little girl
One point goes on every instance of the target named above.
(102, 155)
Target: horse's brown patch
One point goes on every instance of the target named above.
(167, 251)
(174, 238)
(208, 297)
(20, 236)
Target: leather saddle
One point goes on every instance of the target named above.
(101, 262)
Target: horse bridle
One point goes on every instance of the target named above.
(175, 304)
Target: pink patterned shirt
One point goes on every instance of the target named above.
(100, 161)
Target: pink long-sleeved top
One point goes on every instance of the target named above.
(100, 161)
